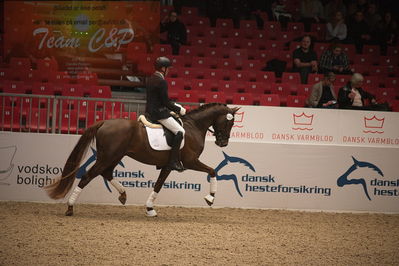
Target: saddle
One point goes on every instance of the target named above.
(159, 137)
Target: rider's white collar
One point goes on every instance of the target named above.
(159, 74)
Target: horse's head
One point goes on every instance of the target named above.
(222, 126)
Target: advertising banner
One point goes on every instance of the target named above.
(66, 30)
(316, 126)
(332, 176)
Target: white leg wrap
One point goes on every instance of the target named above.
(117, 185)
(74, 196)
(151, 199)
(151, 213)
(214, 185)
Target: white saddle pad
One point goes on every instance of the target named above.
(157, 139)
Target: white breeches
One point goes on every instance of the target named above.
(172, 125)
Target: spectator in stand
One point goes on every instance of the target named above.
(353, 96)
(177, 33)
(336, 28)
(358, 31)
(238, 10)
(372, 18)
(323, 95)
(215, 9)
(311, 11)
(305, 59)
(356, 5)
(387, 32)
(332, 7)
(334, 60)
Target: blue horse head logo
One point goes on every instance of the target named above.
(226, 161)
(343, 179)
(83, 168)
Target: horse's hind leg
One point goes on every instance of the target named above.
(107, 174)
(97, 169)
(158, 185)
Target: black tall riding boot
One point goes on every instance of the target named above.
(174, 158)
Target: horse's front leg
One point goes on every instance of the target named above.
(158, 185)
(197, 165)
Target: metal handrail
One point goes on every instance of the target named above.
(55, 110)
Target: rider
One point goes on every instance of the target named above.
(158, 108)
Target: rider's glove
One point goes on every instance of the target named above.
(182, 111)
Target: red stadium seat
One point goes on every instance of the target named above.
(319, 48)
(215, 52)
(272, 29)
(187, 50)
(215, 97)
(269, 100)
(11, 119)
(390, 61)
(225, 63)
(189, 11)
(363, 59)
(281, 89)
(228, 86)
(248, 24)
(36, 120)
(319, 29)
(393, 51)
(371, 81)
(314, 78)
(87, 78)
(188, 96)
(287, 36)
(296, 101)
(224, 23)
(385, 94)
(395, 105)
(97, 91)
(20, 63)
(162, 49)
(14, 87)
(392, 82)
(199, 42)
(257, 89)
(373, 50)
(243, 98)
(47, 65)
(43, 88)
(274, 45)
(251, 65)
(291, 78)
(59, 77)
(202, 21)
(135, 48)
(242, 75)
(204, 62)
(304, 89)
(180, 60)
(266, 76)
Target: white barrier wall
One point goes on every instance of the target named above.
(277, 158)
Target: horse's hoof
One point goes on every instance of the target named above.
(150, 212)
(122, 198)
(69, 212)
(209, 199)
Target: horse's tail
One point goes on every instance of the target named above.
(61, 187)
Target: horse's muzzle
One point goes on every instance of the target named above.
(222, 143)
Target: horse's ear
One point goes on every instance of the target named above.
(235, 109)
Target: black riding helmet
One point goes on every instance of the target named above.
(161, 62)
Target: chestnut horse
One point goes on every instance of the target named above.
(119, 137)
